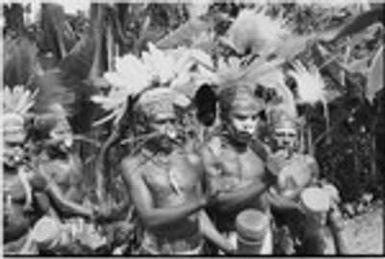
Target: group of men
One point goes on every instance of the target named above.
(232, 194)
(197, 201)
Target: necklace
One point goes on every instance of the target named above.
(165, 163)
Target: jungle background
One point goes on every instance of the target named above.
(65, 54)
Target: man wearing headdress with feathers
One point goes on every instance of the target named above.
(28, 194)
(163, 179)
(19, 212)
(165, 182)
(37, 194)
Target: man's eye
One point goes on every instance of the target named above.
(241, 117)
(254, 117)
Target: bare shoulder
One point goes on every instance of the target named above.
(212, 148)
(131, 166)
(194, 159)
(310, 160)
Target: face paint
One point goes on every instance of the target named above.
(243, 124)
(14, 136)
(286, 136)
(163, 124)
(62, 134)
(243, 116)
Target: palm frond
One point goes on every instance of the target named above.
(53, 90)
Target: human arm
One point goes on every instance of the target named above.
(75, 191)
(232, 198)
(142, 199)
(62, 204)
(279, 202)
(210, 232)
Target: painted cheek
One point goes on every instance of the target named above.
(68, 142)
(171, 132)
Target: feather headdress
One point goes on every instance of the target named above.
(256, 32)
(178, 69)
(16, 104)
(18, 100)
(310, 85)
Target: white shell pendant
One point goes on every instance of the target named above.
(173, 182)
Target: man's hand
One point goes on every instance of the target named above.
(101, 212)
(210, 196)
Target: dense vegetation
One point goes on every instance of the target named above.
(66, 55)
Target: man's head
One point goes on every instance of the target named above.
(54, 130)
(240, 112)
(14, 134)
(157, 106)
(285, 134)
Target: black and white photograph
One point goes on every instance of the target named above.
(192, 128)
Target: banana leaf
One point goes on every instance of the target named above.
(20, 59)
(361, 22)
(53, 27)
(185, 34)
(376, 75)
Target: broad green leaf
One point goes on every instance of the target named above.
(184, 35)
(20, 59)
(361, 22)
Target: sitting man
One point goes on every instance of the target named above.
(28, 193)
(235, 164)
(62, 171)
(20, 212)
(296, 173)
(165, 183)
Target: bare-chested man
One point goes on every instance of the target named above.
(296, 173)
(164, 183)
(62, 170)
(53, 137)
(234, 162)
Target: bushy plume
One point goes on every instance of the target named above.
(310, 85)
(179, 69)
(256, 32)
(18, 99)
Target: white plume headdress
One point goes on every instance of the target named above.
(179, 69)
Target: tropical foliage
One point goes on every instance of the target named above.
(297, 55)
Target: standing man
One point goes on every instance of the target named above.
(165, 183)
(235, 163)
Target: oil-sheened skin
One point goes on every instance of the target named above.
(298, 171)
(165, 184)
(233, 167)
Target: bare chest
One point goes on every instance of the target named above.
(13, 187)
(244, 166)
(173, 178)
(61, 171)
